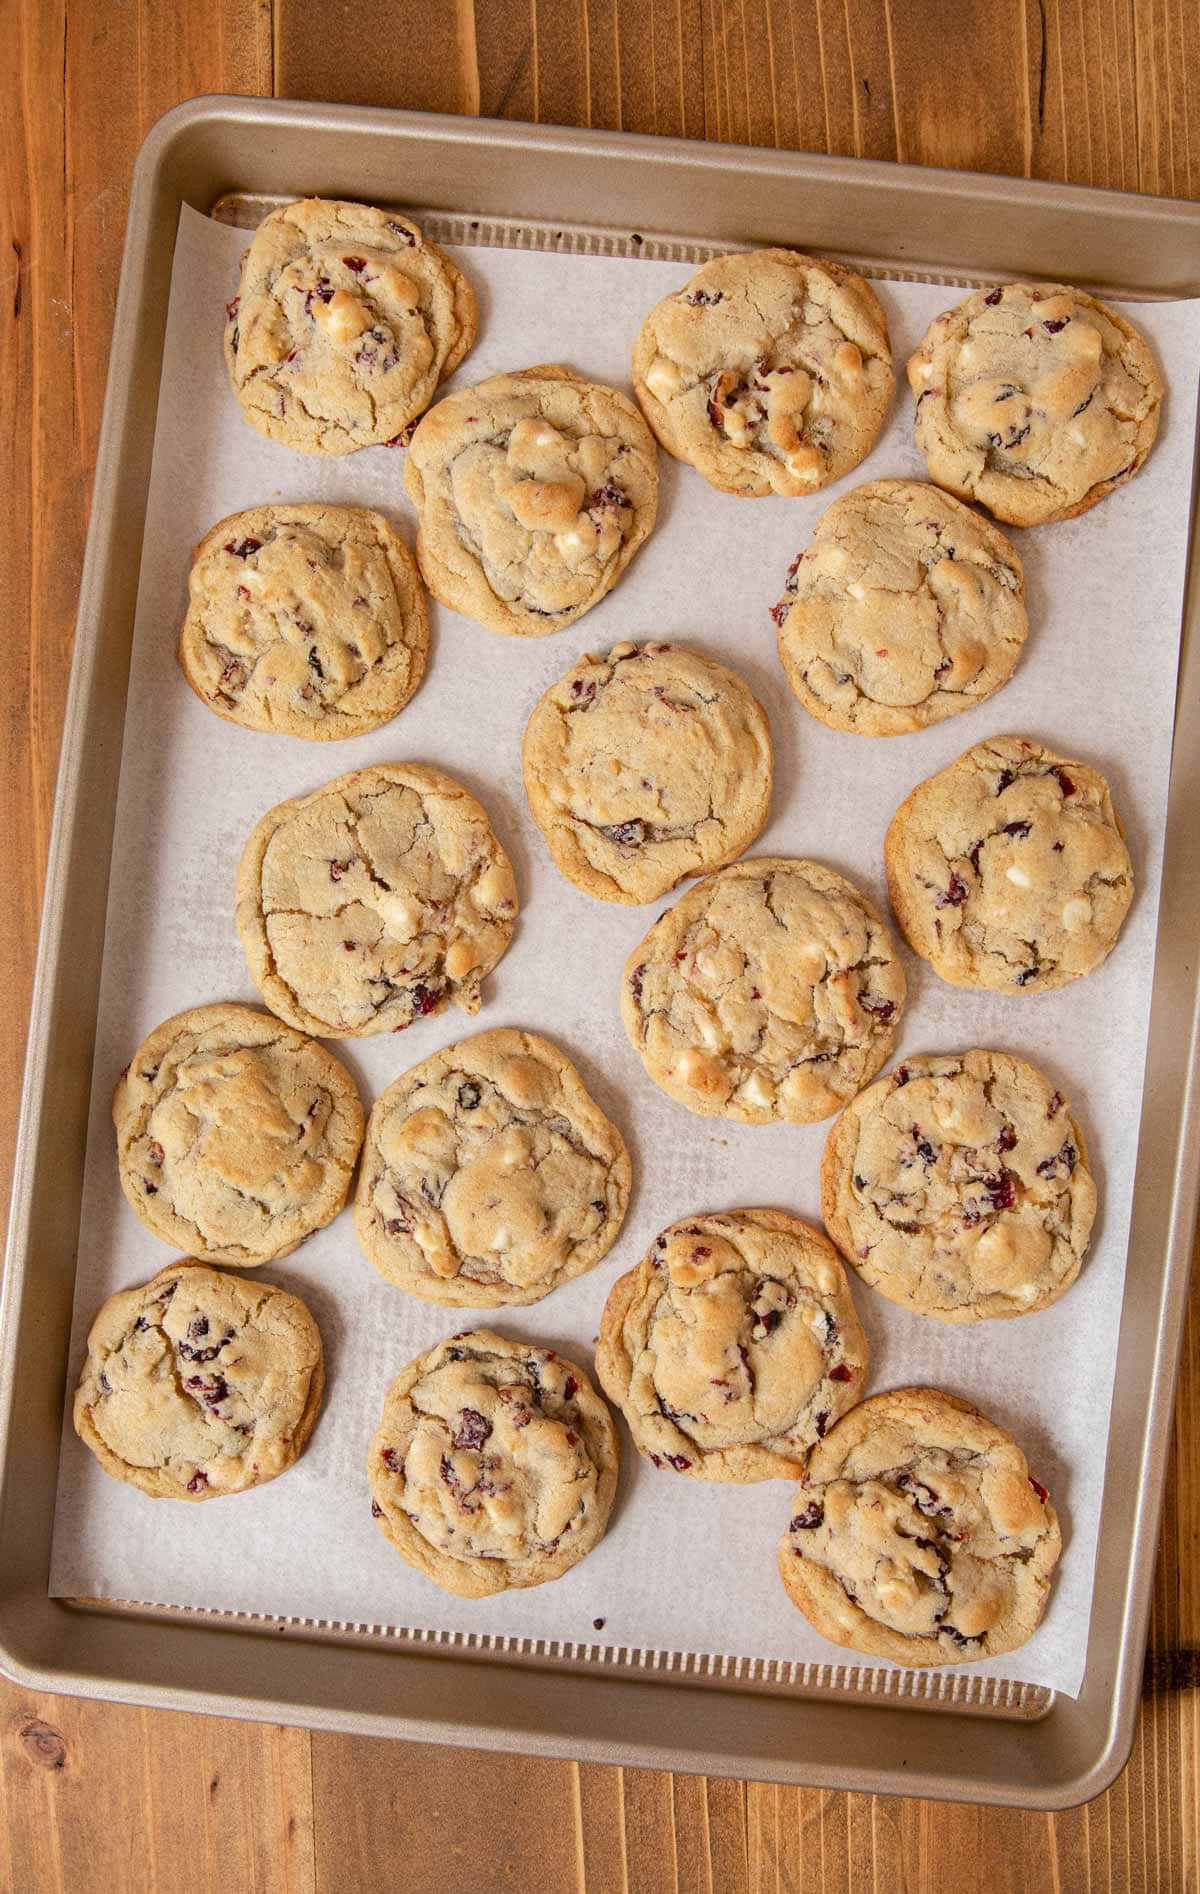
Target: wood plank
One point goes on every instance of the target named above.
(1099, 91)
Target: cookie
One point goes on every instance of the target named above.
(308, 620)
(374, 901)
(1008, 869)
(494, 1466)
(769, 372)
(732, 1347)
(236, 1136)
(906, 609)
(920, 1535)
(345, 321)
(645, 766)
(959, 1187)
(199, 1384)
(1035, 400)
(489, 1175)
(533, 492)
(769, 992)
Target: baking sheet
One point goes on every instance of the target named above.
(684, 1567)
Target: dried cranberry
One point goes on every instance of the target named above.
(391, 1459)
(841, 1372)
(882, 1009)
(607, 496)
(714, 413)
(1006, 777)
(469, 1096)
(314, 663)
(901, 1075)
(1052, 327)
(1007, 1139)
(1064, 781)
(1055, 1105)
(992, 298)
(355, 263)
(1002, 1190)
(954, 895)
(635, 983)
(583, 687)
(1067, 1158)
(197, 1482)
(1019, 829)
(472, 1429)
(397, 1226)
(1043, 1492)
(424, 1000)
(779, 612)
(925, 1149)
(822, 1423)
(242, 548)
(679, 1461)
(232, 308)
(337, 870)
(704, 298)
(1025, 976)
(570, 1388)
(809, 1519)
(626, 834)
(376, 1510)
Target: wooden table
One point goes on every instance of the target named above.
(1102, 92)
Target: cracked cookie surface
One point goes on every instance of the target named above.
(198, 1384)
(533, 492)
(771, 991)
(494, 1466)
(308, 620)
(345, 321)
(489, 1174)
(919, 1534)
(769, 372)
(733, 1346)
(236, 1135)
(906, 608)
(1008, 869)
(374, 901)
(1035, 400)
(644, 766)
(959, 1187)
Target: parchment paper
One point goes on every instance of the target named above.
(684, 1567)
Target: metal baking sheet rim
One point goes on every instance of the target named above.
(1036, 1751)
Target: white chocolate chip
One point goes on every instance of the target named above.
(663, 378)
(491, 888)
(1076, 913)
(343, 317)
(1018, 876)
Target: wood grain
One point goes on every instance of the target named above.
(1102, 92)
